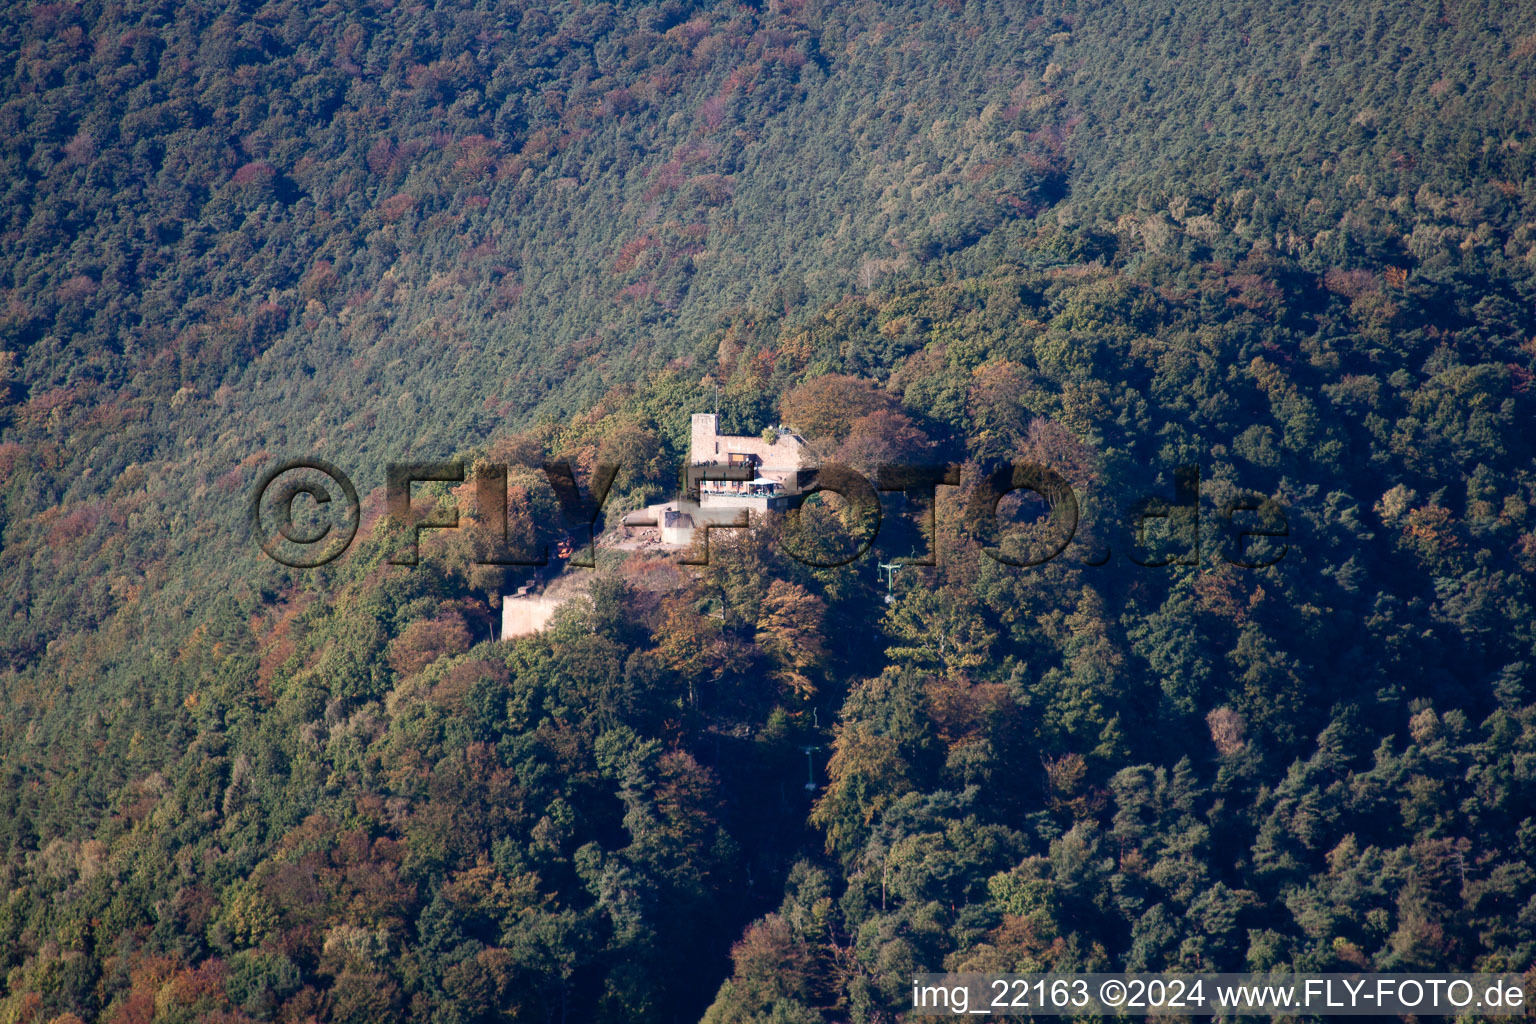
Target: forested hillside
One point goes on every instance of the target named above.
(1293, 245)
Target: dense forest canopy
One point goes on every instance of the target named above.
(1292, 245)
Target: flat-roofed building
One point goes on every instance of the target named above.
(772, 467)
(777, 459)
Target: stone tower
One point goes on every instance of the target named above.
(703, 444)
